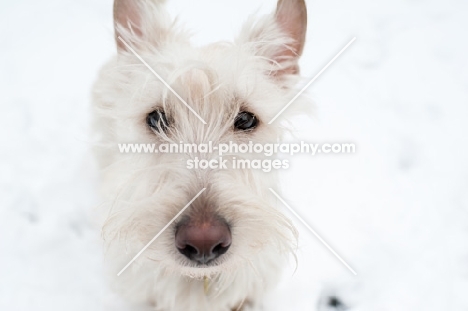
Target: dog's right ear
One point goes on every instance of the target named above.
(139, 22)
(127, 20)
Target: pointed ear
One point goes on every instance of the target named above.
(141, 23)
(279, 37)
(291, 16)
(127, 20)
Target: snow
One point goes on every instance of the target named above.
(396, 211)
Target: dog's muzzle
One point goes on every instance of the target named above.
(203, 241)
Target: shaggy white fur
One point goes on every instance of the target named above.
(255, 73)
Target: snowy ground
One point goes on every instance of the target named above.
(397, 210)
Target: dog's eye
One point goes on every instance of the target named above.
(157, 120)
(245, 121)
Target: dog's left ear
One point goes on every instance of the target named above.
(291, 16)
(280, 37)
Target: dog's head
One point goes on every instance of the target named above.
(223, 92)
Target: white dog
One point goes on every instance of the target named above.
(227, 249)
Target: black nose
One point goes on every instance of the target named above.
(203, 241)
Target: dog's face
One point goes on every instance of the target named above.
(236, 89)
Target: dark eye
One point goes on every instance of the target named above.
(245, 121)
(157, 120)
